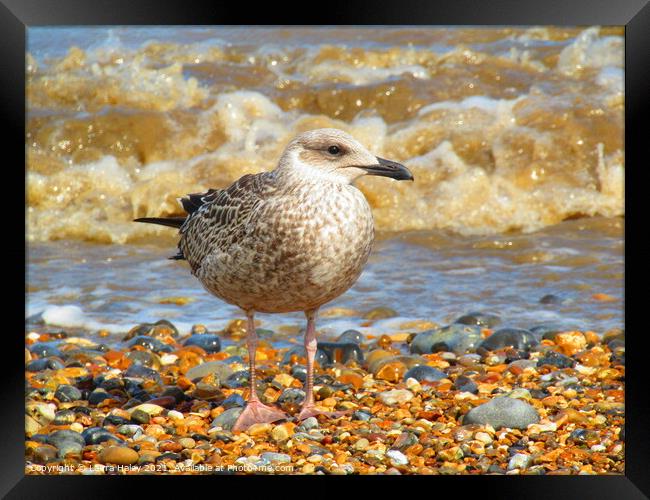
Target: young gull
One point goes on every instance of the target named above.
(291, 239)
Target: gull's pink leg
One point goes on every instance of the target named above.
(308, 407)
(255, 412)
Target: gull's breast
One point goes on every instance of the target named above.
(299, 252)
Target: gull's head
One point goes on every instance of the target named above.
(331, 154)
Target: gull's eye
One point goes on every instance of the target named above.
(333, 150)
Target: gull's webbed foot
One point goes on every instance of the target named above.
(257, 412)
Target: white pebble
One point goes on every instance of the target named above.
(33, 336)
(413, 385)
(519, 461)
(168, 359)
(397, 457)
(175, 415)
(395, 396)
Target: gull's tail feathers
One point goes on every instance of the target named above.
(176, 222)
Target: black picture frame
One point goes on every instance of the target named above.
(18, 15)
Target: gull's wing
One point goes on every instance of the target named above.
(217, 218)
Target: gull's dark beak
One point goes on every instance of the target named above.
(387, 168)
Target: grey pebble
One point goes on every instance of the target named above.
(351, 336)
(425, 373)
(206, 341)
(66, 393)
(509, 337)
(456, 338)
(503, 412)
(482, 319)
(227, 419)
(270, 456)
(308, 424)
(291, 395)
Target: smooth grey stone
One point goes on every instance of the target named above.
(557, 359)
(308, 424)
(45, 349)
(111, 384)
(237, 379)
(341, 352)
(139, 371)
(233, 401)
(299, 372)
(503, 412)
(456, 338)
(477, 318)
(509, 337)
(151, 343)
(552, 299)
(583, 435)
(176, 392)
(209, 342)
(425, 373)
(97, 396)
(38, 365)
(362, 415)
(353, 336)
(97, 435)
(270, 456)
(58, 437)
(292, 395)
(227, 419)
(64, 417)
(304, 436)
(465, 384)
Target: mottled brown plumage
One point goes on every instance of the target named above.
(291, 239)
(267, 245)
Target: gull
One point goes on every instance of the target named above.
(287, 240)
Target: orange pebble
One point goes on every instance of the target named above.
(170, 446)
(571, 343)
(603, 297)
(351, 378)
(392, 372)
(217, 356)
(591, 337)
(497, 368)
(328, 402)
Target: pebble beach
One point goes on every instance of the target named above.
(463, 398)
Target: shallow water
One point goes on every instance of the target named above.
(429, 276)
(509, 132)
